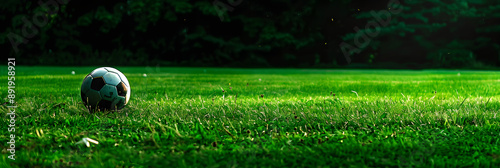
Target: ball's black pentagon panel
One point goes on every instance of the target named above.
(105, 105)
(111, 78)
(97, 83)
(93, 97)
(108, 92)
(84, 97)
(98, 72)
(86, 83)
(122, 89)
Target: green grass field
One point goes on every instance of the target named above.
(181, 117)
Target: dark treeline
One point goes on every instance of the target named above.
(244, 33)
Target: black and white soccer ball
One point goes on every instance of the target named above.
(105, 88)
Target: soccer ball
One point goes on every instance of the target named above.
(105, 88)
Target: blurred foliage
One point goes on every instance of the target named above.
(278, 33)
(448, 34)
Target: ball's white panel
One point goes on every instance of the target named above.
(86, 84)
(124, 79)
(108, 92)
(93, 97)
(119, 102)
(122, 76)
(111, 69)
(112, 78)
(98, 72)
(128, 96)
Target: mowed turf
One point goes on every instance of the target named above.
(216, 117)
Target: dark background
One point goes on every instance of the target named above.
(274, 33)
